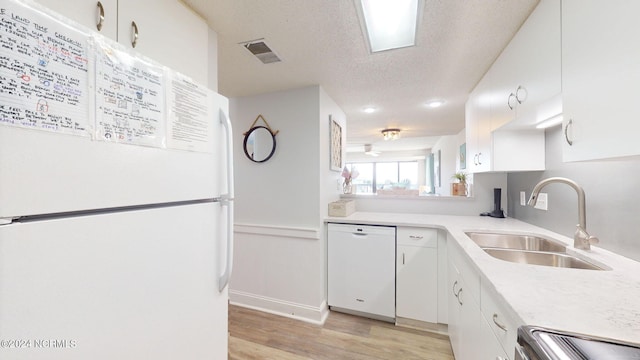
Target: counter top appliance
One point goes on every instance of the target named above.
(535, 343)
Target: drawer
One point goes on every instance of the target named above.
(416, 236)
(500, 319)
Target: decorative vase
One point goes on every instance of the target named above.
(459, 189)
(346, 188)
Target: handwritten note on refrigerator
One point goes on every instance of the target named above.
(43, 72)
(129, 98)
(189, 120)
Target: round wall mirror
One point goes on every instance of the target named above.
(259, 144)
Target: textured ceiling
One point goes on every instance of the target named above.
(321, 42)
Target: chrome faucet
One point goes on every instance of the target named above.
(581, 239)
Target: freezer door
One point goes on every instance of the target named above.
(130, 285)
(43, 172)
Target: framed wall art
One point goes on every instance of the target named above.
(336, 145)
(463, 156)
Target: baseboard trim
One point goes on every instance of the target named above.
(306, 313)
(441, 329)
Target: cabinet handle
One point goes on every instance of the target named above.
(495, 321)
(511, 96)
(454, 288)
(521, 91)
(475, 159)
(479, 162)
(134, 34)
(100, 18)
(415, 237)
(402, 258)
(566, 135)
(459, 296)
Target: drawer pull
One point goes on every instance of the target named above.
(495, 321)
(360, 300)
(415, 237)
(454, 288)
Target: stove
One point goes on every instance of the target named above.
(536, 343)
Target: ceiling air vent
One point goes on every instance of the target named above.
(262, 51)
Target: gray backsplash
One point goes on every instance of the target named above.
(613, 202)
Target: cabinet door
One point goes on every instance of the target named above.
(469, 327)
(529, 68)
(453, 306)
(168, 32)
(478, 128)
(86, 13)
(417, 283)
(600, 75)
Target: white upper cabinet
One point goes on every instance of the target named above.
(600, 72)
(167, 30)
(100, 16)
(520, 89)
(527, 75)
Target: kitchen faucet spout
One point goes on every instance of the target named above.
(581, 239)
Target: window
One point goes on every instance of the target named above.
(390, 175)
(363, 184)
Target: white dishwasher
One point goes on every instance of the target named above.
(362, 270)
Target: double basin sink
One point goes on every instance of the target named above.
(528, 249)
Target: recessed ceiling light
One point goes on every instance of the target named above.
(435, 103)
(369, 110)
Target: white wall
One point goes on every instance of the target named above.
(280, 253)
(449, 147)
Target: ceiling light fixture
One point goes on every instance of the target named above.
(369, 110)
(389, 24)
(435, 103)
(391, 134)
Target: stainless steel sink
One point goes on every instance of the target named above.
(516, 242)
(541, 258)
(528, 249)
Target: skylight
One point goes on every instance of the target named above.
(389, 24)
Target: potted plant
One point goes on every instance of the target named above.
(459, 188)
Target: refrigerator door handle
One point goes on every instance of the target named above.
(227, 200)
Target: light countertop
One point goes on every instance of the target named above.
(600, 303)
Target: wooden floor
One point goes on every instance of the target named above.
(258, 335)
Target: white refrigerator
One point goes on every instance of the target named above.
(114, 251)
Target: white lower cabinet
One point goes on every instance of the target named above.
(474, 336)
(464, 315)
(417, 274)
(501, 321)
